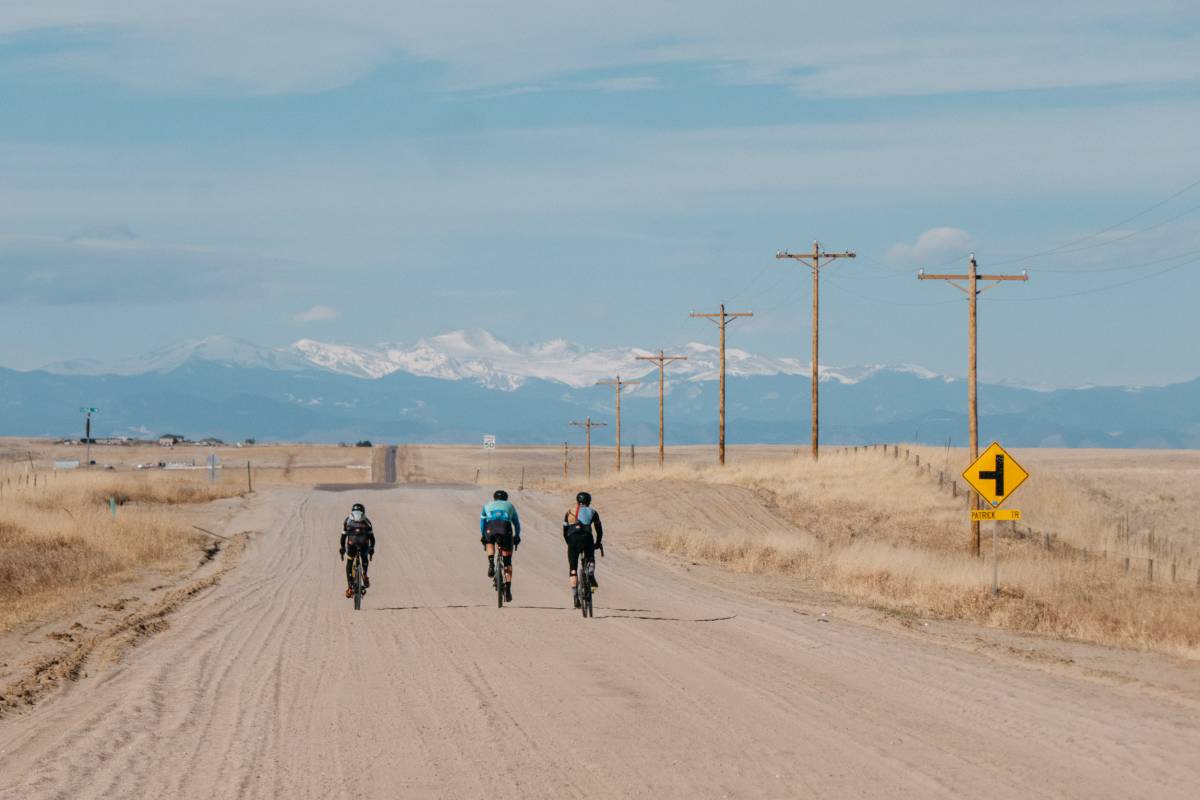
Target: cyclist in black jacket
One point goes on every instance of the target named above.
(578, 524)
(358, 537)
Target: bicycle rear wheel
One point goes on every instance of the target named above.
(500, 587)
(358, 585)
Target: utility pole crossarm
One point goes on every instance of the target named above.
(729, 316)
(927, 277)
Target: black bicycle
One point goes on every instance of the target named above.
(583, 586)
(499, 581)
(357, 584)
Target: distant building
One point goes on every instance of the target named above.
(169, 440)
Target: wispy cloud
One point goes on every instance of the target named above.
(866, 47)
(631, 83)
(316, 314)
(55, 272)
(932, 247)
(111, 232)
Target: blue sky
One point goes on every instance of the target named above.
(381, 171)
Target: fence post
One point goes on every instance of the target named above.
(1172, 572)
(1150, 569)
(1047, 540)
(1127, 563)
(954, 488)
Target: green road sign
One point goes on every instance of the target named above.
(88, 410)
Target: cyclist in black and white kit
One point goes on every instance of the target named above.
(578, 524)
(358, 537)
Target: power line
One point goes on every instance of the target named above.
(870, 299)
(1115, 225)
(1116, 240)
(1098, 289)
(753, 281)
(1120, 267)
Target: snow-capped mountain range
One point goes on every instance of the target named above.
(457, 386)
(476, 355)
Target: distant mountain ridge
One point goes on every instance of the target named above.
(457, 387)
(467, 355)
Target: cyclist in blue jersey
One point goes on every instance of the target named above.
(500, 529)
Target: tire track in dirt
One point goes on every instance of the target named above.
(108, 644)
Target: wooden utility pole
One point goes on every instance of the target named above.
(813, 262)
(617, 382)
(565, 452)
(661, 360)
(722, 319)
(972, 291)
(587, 426)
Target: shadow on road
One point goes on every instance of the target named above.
(665, 619)
(645, 615)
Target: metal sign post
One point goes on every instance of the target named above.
(995, 475)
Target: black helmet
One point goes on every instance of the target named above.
(500, 494)
(358, 507)
(358, 512)
(583, 498)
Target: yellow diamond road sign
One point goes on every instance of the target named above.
(995, 475)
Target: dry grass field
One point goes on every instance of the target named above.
(879, 529)
(61, 544)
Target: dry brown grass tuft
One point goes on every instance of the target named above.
(59, 543)
(884, 535)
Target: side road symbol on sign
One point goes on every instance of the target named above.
(995, 475)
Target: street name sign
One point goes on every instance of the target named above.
(995, 475)
(999, 514)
